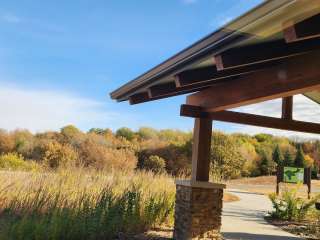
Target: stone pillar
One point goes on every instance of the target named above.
(198, 210)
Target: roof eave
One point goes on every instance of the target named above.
(191, 54)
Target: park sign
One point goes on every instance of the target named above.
(294, 175)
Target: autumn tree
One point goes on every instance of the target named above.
(57, 155)
(226, 161)
(308, 161)
(146, 133)
(6, 142)
(24, 142)
(126, 133)
(72, 135)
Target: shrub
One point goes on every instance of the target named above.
(57, 155)
(155, 163)
(126, 133)
(15, 161)
(289, 206)
(94, 152)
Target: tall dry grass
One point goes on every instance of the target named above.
(79, 204)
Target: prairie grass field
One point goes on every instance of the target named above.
(104, 184)
(83, 205)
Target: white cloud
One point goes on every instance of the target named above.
(10, 18)
(40, 110)
(304, 110)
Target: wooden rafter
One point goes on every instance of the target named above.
(306, 29)
(208, 75)
(139, 98)
(162, 91)
(296, 76)
(203, 78)
(250, 119)
(263, 52)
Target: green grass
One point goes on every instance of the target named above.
(83, 205)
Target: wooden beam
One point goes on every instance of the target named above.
(296, 76)
(306, 29)
(195, 75)
(139, 98)
(167, 90)
(263, 52)
(207, 75)
(195, 80)
(251, 119)
(201, 149)
(287, 108)
(162, 89)
(193, 111)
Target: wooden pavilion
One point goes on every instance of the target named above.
(272, 51)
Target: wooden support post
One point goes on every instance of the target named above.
(307, 180)
(279, 178)
(287, 106)
(201, 149)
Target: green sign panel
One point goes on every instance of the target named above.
(293, 175)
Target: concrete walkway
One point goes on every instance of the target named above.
(244, 219)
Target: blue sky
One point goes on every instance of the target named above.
(60, 59)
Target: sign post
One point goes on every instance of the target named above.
(294, 175)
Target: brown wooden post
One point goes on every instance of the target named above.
(307, 180)
(287, 107)
(279, 178)
(201, 149)
(198, 207)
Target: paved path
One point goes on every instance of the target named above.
(244, 219)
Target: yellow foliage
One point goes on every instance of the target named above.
(309, 161)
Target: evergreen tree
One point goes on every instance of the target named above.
(277, 156)
(287, 159)
(266, 166)
(299, 160)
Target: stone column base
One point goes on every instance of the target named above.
(198, 210)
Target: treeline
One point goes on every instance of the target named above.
(232, 155)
